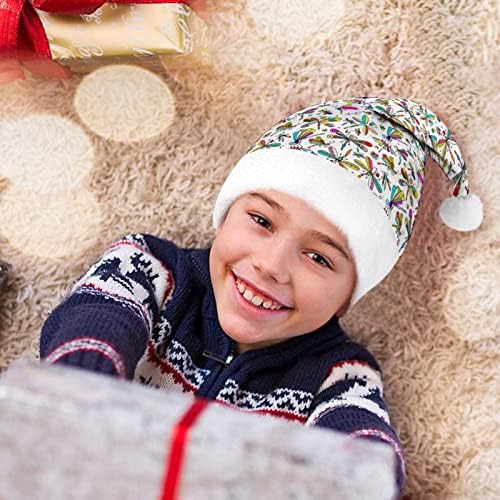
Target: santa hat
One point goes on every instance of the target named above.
(360, 163)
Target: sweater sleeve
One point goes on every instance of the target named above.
(350, 400)
(104, 322)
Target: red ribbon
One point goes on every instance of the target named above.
(23, 38)
(180, 434)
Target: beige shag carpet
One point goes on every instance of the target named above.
(85, 161)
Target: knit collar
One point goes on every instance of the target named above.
(200, 259)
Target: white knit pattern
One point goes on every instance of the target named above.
(357, 402)
(367, 382)
(347, 370)
(89, 344)
(289, 403)
(174, 371)
(125, 258)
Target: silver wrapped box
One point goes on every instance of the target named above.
(66, 433)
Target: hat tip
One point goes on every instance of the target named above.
(462, 213)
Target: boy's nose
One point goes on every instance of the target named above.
(273, 261)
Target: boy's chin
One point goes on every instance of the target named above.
(243, 337)
(240, 333)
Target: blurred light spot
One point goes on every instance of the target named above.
(50, 224)
(471, 303)
(124, 103)
(479, 476)
(44, 153)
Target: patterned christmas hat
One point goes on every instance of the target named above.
(360, 163)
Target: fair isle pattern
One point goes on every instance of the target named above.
(344, 402)
(357, 384)
(385, 437)
(87, 344)
(381, 142)
(354, 370)
(173, 370)
(162, 330)
(281, 402)
(120, 274)
(168, 286)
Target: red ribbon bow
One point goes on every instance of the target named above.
(23, 38)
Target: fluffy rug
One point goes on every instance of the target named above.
(129, 149)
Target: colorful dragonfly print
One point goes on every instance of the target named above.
(383, 143)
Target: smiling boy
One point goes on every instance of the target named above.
(266, 254)
(310, 219)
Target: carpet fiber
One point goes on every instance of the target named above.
(129, 149)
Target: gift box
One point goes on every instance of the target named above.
(83, 35)
(68, 433)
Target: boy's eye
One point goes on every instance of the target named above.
(321, 260)
(260, 220)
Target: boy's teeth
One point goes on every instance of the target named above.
(257, 300)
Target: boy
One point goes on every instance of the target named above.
(308, 221)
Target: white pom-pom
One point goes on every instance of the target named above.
(463, 213)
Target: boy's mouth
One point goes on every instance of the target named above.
(256, 299)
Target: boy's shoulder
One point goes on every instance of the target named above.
(344, 349)
(362, 353)
(182, 261)
(160, 247)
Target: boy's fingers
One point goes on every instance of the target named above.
(47, 67)
(7, 63)
(10, 76)
(10, 70)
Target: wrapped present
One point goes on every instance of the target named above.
(83, 35)
(68, 433)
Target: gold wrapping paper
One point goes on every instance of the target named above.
(120, 33)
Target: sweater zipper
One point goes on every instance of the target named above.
(218, 376)
(215, 357)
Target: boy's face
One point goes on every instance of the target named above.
(266, 246)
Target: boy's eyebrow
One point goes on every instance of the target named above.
(328, 241)
(313, 233)
(273, 204)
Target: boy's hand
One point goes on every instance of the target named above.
(11, 69)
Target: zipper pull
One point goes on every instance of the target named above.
(225, 362)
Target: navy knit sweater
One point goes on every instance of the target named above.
(146, 310)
